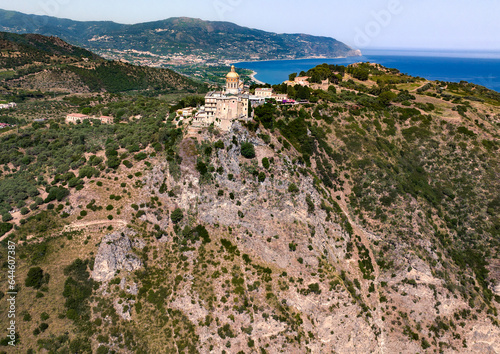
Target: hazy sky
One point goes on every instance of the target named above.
(432, 24)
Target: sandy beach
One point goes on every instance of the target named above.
(252, 76)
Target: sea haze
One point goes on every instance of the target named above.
(481, 68)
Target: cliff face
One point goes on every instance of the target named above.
(282, 262)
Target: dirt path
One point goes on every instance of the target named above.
(6, 235)
(81, 225)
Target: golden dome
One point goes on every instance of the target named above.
(232, 74)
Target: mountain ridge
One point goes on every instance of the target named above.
(179, 35)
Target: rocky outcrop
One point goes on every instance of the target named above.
(115, 253)
(124, 308)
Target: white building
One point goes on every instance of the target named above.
(186, 112)
(261, 94)
(8, 105)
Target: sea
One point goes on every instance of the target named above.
(482, 68)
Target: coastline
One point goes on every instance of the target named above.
(296, 59)
(480, 71)
(258, 82)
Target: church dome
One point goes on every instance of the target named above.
(233, 74)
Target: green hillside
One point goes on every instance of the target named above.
(365, 219)
(36, 62)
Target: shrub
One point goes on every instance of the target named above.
(77, 289)
(140, 156)
(133, 148)
(247, 150)
(310, 204)
(58, 193)
(5, 227)
(314, 288)
(219, 144)
(201, 232)
(34, 278)
(201, 167)
(292, 188)
(177, 216)
(113, 162)
(6, 217)
(265, 163)
(225, 331)
(425, 344)
(266, 138)
(87, 171)
(262, 177)
(102, 350)
(465, 131)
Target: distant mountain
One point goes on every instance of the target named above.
(212, 39)
(37, 62)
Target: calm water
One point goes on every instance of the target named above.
(479, 68)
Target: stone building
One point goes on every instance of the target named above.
(264, 92)
(75, 117)
(78, 117)
(223, 107)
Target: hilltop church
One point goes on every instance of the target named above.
(223, 107)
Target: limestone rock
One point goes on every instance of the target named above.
(115, 253)
(124, 309)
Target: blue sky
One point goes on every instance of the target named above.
(398, 24)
